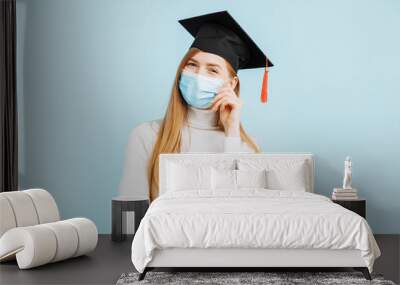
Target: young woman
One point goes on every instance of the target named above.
(203, 113)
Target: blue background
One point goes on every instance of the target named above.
(89, 71)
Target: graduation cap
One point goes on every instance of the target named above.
(220, 34)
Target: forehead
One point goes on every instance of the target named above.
(209, 58)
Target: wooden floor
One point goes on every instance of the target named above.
(111, 259)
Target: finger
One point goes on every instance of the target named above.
(236, 102)
(224, 93)
(225, 96)
(232, 105)
(217, 104)
(218, 97)
(231, 100)
(225, 102)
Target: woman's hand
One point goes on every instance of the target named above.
(229, 106)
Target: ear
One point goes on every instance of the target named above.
(234, 82)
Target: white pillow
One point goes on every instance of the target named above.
(236, 179)
(282, 174)
(185, 177)
(256, 178)
(290, 179)
(223, 179)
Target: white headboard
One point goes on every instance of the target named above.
(213, 159)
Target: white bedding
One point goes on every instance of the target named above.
(250, 218)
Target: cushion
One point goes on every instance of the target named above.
(289, 179)
(256, 178)
(45, 205)
(223, 179)
(51, 242)
(236, 179)
(23, 208)
(182, 177)
(282, 174)
(7, 215)
(27, 208)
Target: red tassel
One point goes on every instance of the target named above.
(264, 93)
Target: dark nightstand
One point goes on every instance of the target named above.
(119, 205)
(357, 206)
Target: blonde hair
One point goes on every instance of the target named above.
(169, 135)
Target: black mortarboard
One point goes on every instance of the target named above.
(220, 34)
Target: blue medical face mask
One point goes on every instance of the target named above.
(199, 90)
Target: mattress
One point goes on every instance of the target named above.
(253, 218)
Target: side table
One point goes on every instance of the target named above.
(357, 206)
(125, 204)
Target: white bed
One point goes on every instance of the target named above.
(289, 226)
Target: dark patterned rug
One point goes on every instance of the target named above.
(229, 278)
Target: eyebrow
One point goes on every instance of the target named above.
(208, 64)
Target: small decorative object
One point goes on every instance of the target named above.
(347, 173)
(347, 192)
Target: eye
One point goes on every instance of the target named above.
(213, 70)
(191, 64)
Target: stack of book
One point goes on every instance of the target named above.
(344, 194)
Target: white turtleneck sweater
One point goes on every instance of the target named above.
(199, 134)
